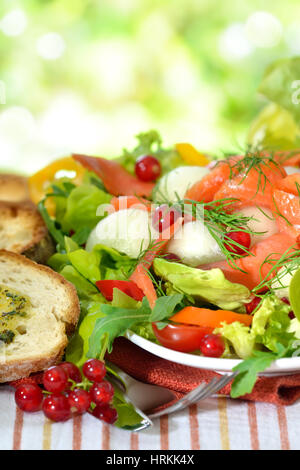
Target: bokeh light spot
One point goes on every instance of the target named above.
(234, 44)
(50, 46)
(14, 23)
(263, 29)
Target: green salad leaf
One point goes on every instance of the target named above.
(81, 207)
(209, 286)
(270, 328)
(294, 296)
(277, 125)
(151, 143)
(119, 319)
(248, 371)
(278, 84)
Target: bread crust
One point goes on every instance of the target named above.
(25, 215)
(18, 369)
(14, 188)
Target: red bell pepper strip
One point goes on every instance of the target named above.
(115, 178)
(128, 287)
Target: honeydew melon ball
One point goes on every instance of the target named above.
(194, 245)
(128, 231)
(176, 183)
(263, 223)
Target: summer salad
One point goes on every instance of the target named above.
(198, 254)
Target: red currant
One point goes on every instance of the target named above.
(212, 346)
(79, 400)
(94, 370)
(106, 413)
(55, 379)
(147, 168)
(164, 217)
(102, 393)
(57, 408)
(72, 371)
(29, 397)
(251, 306)
(242, 238)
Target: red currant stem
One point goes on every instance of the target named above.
(73, 384)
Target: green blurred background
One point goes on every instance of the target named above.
(86, 76)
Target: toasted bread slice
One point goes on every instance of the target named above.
(49, 312)
(22, 230)
(13, 188)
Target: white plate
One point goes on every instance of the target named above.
(285, 366)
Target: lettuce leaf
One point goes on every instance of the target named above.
(82, 205)
(278, 84)
(277, 125)
(151, 143)
(210, 286)
(270, 328)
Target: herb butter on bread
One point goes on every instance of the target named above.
(38, 310)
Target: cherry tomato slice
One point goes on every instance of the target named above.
(183, 338)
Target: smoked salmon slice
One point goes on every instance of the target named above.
(115, 178)
(254, 186)
(205, 189)
(287, 208)
(290, 184)
(127, 202)
(255, 267)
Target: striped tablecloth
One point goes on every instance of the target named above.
(216, 423)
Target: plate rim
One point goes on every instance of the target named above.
(283, 366)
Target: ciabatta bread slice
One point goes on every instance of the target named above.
(13, 188)
(23, 231)
(36, 334)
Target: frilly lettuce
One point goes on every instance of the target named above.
(270, 327)
(151, 143)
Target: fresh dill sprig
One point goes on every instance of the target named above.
(280, 266)
(220, 220)
(253, 160)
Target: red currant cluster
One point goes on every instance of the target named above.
(67, 393)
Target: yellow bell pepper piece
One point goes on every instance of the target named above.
(190, 155)
(39, 183)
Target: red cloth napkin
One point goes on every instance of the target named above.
(179, 379)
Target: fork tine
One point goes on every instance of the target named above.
(191, 397)
(224, 380)
(199, 393)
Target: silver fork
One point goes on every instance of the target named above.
(201, 392)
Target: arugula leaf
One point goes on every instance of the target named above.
(56, 232)
(119, 319)
(115, 324)
(164, 307)
(248, 370)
